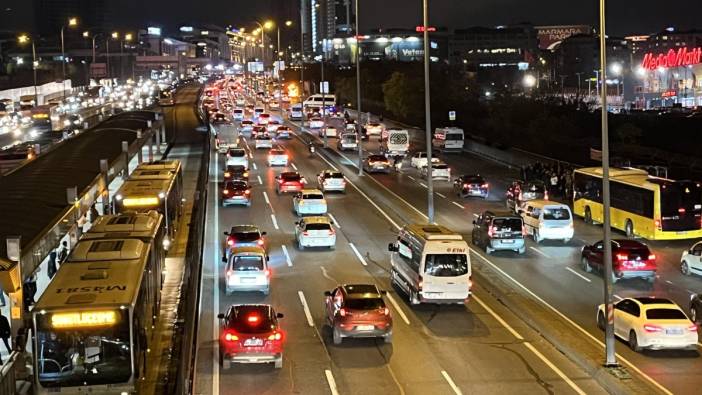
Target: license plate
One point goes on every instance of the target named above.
(680, 233)
(673, 332)
(365, 327)
(507, 241)
(253, 342)
(248, 280)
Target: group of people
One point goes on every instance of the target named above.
(557, 177)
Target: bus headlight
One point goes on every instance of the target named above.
(166, 243)
(118, 197)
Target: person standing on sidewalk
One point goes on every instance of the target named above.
(5, 333)
(554, 184)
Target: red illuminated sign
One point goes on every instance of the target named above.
(420, 29)
(673, 58)
(668, 94)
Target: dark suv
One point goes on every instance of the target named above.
(630, 259)
(499, 230)
(357, 310)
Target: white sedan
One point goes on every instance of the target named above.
(419, 160)
(651, 323)
(315, 232)
(439, 171)
(310, 202)
(329, 130)
(316, 123)
(691, 260)
(263, 141)
(277, 157)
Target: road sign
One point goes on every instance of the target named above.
(324, 87)
(452, 115)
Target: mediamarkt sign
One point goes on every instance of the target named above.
(673, 58)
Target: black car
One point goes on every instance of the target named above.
(471, 185)
(376, 163)
(499, 230)
(232, 173)
(244, 236)
(696, 308)
(523, 191)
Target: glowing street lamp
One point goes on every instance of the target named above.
(24, 39)
(529, 81)
(72, 22)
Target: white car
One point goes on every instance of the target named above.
(272, 126)
(309, 202)
(238, 114)
(331, 180)
(283, 132)
(240, 101)
(347, 141)
(274, 105)
(247, 270)
(246, 126)
(315, 232)
(329, 130)
(419, 160)
(439, 171)
(374, 129)
(237, 157)
(651, 323)
(263, 141)
(263, 118)
(316, 123)
(277, 157)
(691, 260)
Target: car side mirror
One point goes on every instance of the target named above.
(279, 315)
(226, 233)
(327, 294)
(264, 233)
(224, 259)
(268, 258)
(220, 316)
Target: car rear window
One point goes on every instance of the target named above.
(446, 265)
(313, 196)
(377, 158)
(513, 224)
(334, 175)
(236, 185)
(291, 177)
(559, 213)
(665, 314)
(246, 237)
(474, 180)
(277, 152)
(365, 303)
(248, 263)
(237, 152)
(251, 319)
(317, 226)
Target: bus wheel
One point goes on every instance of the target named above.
(588, 216)
(629, 229)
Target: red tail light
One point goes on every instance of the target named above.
(230, 337)
(230, 241)
(227, 174)
(226, 191)
(332, 232)
(252, 319)
(524, 232)
(259, 242)
(681, 210)
(622, 257)
(267, 272)
(305, 233)
(485, 185)
(692, 328)
(342, 312)
(470, 282)
(386, 311)
(652, 257)
(247, 192)
(465, 185)
(650, 328)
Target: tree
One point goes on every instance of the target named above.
(628, 133)
(403, 96)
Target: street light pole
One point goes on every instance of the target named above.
(324, 96)
(34, 69)
(427, 114)
(358, 96)
(610, 352)
(63, 64)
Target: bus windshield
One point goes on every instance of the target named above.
(446, 265)
(83, 354)
(679, 198)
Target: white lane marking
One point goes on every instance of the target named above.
(287, 256)
(275, 222)
(260, 181)
(254, 165)
(538, 251)
(358, 254)
(453, 385)
(423, 184)
(215, 300)
(265, 196)
(397, 307)
(459, 205)
(397, 227)
(578, 274)
(306, 308)
(690, 292)
(412, 178)
(250, 155)
(334, 220)
(669, 282)
(331, 382)
(442, 195)
(530, 346)
(293, 166)
(573, 323)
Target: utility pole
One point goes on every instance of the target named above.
(611, 359)
(427, 115)
(324, 96)
(358, 93)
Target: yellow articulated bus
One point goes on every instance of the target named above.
(641, 205)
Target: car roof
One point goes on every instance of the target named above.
(501, 213)
(248, 250)
(244, 229)
(361, 291)
(311, 190)
(651, 300)
(317, 219)
(626, 243)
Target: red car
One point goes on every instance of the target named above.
(357, 310)
(250, 334)
(630, 259)
(289, 181)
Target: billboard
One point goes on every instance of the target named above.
(550, 36)
(255, 67)
(401, 49)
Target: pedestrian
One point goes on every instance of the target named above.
(5, 333)
(63, 252)
(93, 214)
(554, 184)
(52, 264)
(29, 289)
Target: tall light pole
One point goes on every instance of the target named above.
(324, 95)
(71, 23)
(610, 358)
(23, 39)
(427, 114)
(302, 57)
(358, 95)
(263, 26)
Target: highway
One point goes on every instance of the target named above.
(477, 348)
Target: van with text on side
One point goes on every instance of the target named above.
(448, 139)
(431, 264)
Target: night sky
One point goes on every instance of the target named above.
(624, 17)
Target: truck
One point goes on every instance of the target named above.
(396, 143)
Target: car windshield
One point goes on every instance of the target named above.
(247, 263)
(365, 303)
(558, 214)
(510, 224)
(251, 319)
(446, 265)
(263, 137)
(84, 354)
(665, 314)
(317, 226)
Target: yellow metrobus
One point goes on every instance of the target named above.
(641, 205)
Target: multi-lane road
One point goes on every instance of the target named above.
(477, 348)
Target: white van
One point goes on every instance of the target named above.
(396, 142)
(296, 113)
(315, 102)
(448, 139)
(547, 220)
(431, 264)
